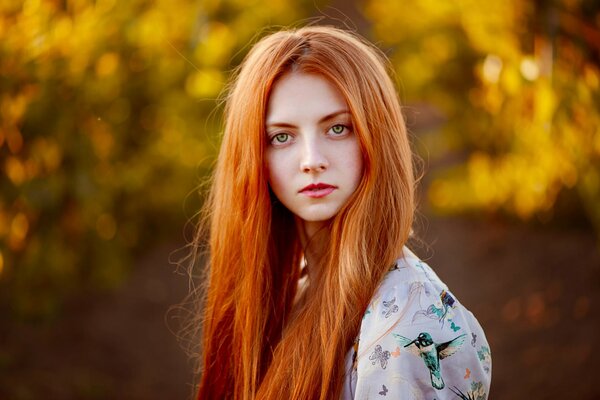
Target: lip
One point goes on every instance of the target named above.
(317, 190)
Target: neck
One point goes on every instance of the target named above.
(314, 237)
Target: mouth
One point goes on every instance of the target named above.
(317, 190)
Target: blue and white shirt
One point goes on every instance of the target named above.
(417, 341)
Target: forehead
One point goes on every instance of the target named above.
(298, 96)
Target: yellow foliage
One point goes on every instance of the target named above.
(106, 226)
(46, 153)
(511, 80)
(591, 77)
(529, 68)
(215, 44)
(107, 64)
(102, 138)
(524, 105)
(105, 117)
(4, 226)
(18, 231)
(440, 46)
(62, 30)
(15, 170)
(491, 69)
(104, 6)
(206, 83)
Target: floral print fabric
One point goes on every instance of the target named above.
(417, 342)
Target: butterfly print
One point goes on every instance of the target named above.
(390, 306)
(454, 326)
(381, 356)
(384, 391)
(485, 357)
(484, 354)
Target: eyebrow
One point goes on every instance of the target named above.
(325, 118)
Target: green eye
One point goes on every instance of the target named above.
(281, 137)
(337, 129)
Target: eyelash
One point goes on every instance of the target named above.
(346, 127)
(272, 138)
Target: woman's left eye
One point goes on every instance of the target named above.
(338, 129)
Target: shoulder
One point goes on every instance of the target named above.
(416, 338)
(402, 294)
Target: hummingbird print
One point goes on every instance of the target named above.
(431, 353)
(447, 302)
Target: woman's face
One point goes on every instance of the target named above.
(313, 156)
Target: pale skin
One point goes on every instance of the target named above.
(310, 140)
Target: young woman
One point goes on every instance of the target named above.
(311, 291)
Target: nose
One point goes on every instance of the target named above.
(313, 159)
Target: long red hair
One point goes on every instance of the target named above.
(253, 345)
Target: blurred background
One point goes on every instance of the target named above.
(109, 123)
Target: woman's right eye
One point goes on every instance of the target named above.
(280, 138)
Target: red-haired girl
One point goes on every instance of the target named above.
(311, 291)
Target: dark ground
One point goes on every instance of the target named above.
(535, 292)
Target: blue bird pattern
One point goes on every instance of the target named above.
(440, 310)
(417, 341)
(432, 353)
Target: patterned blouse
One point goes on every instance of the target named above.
(417, 341)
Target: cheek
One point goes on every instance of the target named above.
(353, 163)
(276, 171)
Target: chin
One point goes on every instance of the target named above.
(317, 219)
(319, 216)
